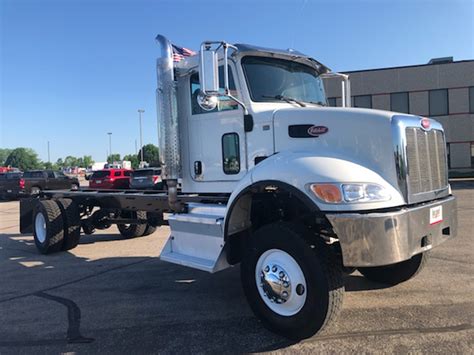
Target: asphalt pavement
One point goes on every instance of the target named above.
(112, 295)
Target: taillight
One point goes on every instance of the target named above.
(21, 182)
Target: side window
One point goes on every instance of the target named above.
(117, 173)
(225, 104)
(127, 173)
(332, 101)
(50, 174)
(230, 153)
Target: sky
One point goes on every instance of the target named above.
(73, 70)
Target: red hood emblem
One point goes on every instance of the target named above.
(425, 123)
(317, 130)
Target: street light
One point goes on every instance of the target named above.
(140, 111)
(110, 142)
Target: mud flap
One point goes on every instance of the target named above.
(27, 206)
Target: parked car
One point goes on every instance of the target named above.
(11, 185)
(110, 179)
(38, 180)
(146, 179)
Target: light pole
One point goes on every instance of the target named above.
(110, 143)
(49, 157)
(140, 111)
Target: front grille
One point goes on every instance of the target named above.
(426, 160)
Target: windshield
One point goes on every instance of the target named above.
(100, 174)
(272, 79)
(146, 172)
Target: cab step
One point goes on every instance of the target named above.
(197, 238)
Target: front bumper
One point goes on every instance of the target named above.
(376, 239)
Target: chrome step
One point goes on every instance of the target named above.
(197, 239)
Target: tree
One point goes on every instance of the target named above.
(70, 161)
(23, 158)
(4, 153)
(113, 157)
(133, 159)
(60, 163)
(87, 161)
(151, 154)
(50, 166)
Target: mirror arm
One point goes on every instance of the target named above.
(226, 77)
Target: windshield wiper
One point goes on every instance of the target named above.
(285, 98)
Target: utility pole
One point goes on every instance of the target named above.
(140, 111)
(49, 157)
(136, 148)
(110, 143)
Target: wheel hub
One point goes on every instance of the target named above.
(275, 283)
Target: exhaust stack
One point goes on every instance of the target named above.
(168, 130)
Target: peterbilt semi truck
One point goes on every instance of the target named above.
(271, 178)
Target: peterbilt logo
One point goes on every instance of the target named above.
(317, 130)
(425, 123)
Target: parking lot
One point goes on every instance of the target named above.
(115, 296)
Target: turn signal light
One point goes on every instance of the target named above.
(327, 192)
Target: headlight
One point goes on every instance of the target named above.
(350, 193)
(364, 193)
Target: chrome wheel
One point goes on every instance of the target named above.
(40, 227)
(280, 282)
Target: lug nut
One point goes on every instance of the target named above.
(284, 294)
(267, 268)
(281, 274)
(286, 284)
(274, 268)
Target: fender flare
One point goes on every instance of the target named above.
(281, 185)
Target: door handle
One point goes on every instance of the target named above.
(197, 167)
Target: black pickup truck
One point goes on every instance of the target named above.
(34, 181)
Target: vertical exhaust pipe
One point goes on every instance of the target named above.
(168, 131)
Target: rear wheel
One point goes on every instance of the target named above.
(149, 230)
(294, 289)
(72, 222)
(396, 273)
(133, 230)
(48, 227)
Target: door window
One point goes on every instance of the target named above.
(225, 103)
(230, 153)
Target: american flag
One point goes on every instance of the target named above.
(179, 53)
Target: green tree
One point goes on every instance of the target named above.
(70, 161)
(60, 163)
(113, 157)
(151, 154)
(23, 158)
(87, 161)
(133, 159)
(50, 166)
(4, 153)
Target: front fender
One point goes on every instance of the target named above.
(301, 169)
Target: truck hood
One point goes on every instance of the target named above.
(360, 136)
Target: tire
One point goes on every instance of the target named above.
(48, 227)
(396, 273)
(72, 223)
(35, 191)
(133, 230)
(316, 294)
(149, 230)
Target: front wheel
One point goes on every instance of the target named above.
(296, 290)
(396, 273)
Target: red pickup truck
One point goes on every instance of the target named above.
(110, 179)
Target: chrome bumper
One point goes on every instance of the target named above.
(376, 239)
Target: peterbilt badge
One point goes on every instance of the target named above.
(317, 130)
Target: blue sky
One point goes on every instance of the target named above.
(72, 70)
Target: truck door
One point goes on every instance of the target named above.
(216, 138)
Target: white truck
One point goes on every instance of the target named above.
(273, 179)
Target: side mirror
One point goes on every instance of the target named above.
(207, 102)
(208, 71)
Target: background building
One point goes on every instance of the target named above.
(443, 89)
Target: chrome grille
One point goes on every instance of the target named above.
(426, 160)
